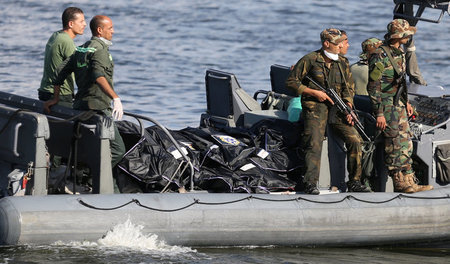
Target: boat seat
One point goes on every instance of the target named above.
(229, 105)
(278, 76)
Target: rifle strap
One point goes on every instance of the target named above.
(397, 70)
(391, 59)
(342, 74)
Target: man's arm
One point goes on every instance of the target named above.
(60, 76)
(48, 104)
(412, 66)
(376, 68)
(294, 82)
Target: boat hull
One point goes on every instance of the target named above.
(232, 219)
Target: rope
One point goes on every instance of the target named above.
(298, 199)
(105, 209)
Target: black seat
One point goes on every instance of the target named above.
(219, 93)
(278, 76)
(226, 100)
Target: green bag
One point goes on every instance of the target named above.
(294, 109)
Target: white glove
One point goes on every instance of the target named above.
(117, 112)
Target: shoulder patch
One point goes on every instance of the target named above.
(377, 71)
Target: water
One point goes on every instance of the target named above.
(125, 243)
(162, 50)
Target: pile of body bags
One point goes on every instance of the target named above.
(264, 158)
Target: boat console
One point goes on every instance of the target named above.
(430, 126)
(432, 114)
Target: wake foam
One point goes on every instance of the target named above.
(129, 237)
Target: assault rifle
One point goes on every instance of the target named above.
(342, 107)
(402, 92)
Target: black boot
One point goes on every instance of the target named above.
(311, 188)
(356, 186)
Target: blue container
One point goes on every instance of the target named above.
(294, 109)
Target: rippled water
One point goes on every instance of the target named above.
(126, 244)
(162, 50)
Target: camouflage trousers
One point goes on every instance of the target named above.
(398, 144)
(315, 116)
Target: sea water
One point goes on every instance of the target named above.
(161, 51)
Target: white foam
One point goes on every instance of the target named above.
(129, 237)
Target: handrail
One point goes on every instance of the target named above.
(404, 9)
(175, 143)
(16, 139)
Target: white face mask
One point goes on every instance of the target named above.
(107, 42)
(331, 56)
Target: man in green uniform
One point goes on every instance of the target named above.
(386, 66)
(59, 47)
(360, 69)
(331, 71)
(93, 67)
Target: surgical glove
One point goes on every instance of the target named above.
(117, 112)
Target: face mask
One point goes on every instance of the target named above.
(331, 56)
(107, 42)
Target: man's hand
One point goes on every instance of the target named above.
(322, 96)
(351, 117)
(409, 109)
(117, 112)
(350, 121)
(48, 104)
(381, 123)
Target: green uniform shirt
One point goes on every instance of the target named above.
(89, 62)
(60, 46)
(337, 77)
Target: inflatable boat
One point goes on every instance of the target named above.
(231, 181)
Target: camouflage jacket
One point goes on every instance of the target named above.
(338, 77)
(382, 77)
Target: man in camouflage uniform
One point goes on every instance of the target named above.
(331, 71)
(386, 65)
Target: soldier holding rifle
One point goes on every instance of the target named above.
(331, 71)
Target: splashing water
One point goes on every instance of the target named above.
(130, 236)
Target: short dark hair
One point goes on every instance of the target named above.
(69, 14)
(96, 21)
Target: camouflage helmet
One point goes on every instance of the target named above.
(333, 35)
(399, 28)
(368, 46)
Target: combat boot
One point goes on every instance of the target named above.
(357, 186)
(412, 180)
(400, 183)
(311, 188)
